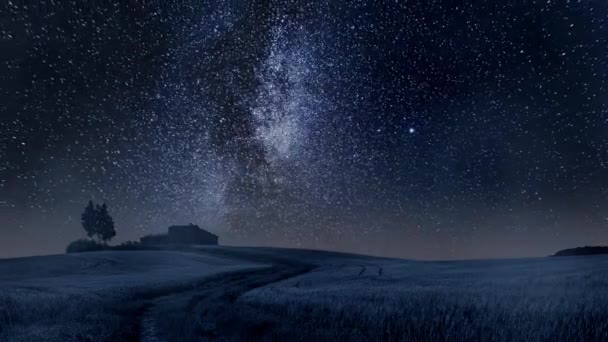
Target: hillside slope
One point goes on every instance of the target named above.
(587, 250)
(230, 293)
(558, 299)
(86, 296)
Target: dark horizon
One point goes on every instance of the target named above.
(413, 130)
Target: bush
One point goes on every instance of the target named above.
(84, 245)
(129, 246)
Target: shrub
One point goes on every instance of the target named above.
(84, 245)
(128, 246)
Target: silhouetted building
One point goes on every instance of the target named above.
(189, 235)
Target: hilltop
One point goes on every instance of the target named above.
(587, 250)
(236, 294)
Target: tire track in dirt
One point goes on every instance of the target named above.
(177, 315)
(368, 269)
(150, 330)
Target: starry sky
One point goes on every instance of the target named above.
(415, 129)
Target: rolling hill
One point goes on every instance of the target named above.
(230, 293)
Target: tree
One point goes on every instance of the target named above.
(105, 224)
(89, 219)
(96, 221)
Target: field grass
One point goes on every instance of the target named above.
(229, 294)
(93, 296)
(509, 300)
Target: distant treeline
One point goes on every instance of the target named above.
(587, 250)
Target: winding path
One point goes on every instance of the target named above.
(187, 314)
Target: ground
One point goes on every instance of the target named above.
(84, 296)
(223, 293)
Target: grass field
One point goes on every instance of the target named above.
(557, 299)
(87, 296)
(279, 294)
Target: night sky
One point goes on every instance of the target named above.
(417, 129)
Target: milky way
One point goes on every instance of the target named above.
(408, 128)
